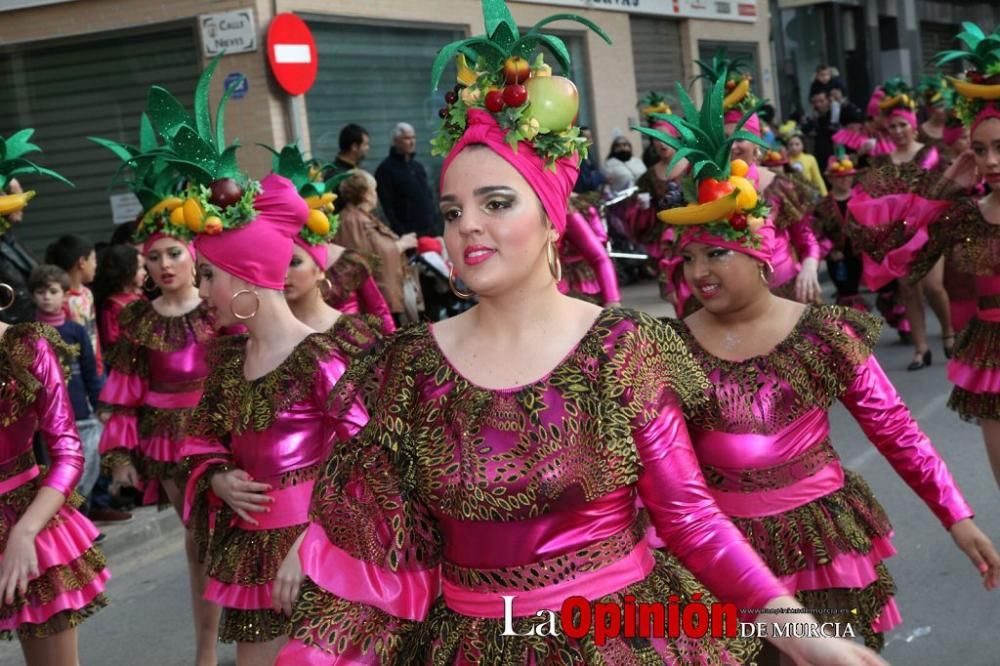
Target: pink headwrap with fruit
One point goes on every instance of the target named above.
(517, 109)
(977, 96)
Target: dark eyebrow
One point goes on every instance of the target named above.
(480, 191)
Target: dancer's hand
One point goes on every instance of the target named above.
(19, 564)
(288, 580)
(124, 476)
(971, 540)
(807, 289)
(830, 652)
(962, 171)
(242, 494)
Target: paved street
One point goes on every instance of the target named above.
(949, 619)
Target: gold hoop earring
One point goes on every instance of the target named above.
(765, 269)
(236, 314)
(13, 296)
(325, 293)
(552, 254)
(451, 283)
(148, 285)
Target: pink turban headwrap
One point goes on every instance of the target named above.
(259, 253)
(905, 114)
(319, 253)
(873, 110)
(701, 234)
(155, 236)
(666, 128)
(752, 125)
(949, 135)
(551, 187)
(990, 111)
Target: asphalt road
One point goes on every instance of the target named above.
(949, 619)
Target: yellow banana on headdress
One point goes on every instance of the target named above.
(13, 164)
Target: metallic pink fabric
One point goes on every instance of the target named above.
(18, 480)
(181, 400)
(580, 243)
(289, 507)
(773, 502)
(752, 449)
(552, 187)
(404, 594)
(319, 253)
(259, 253)
(701, 234)
(949, 135)
(752, 124)
(905, 114)
(591, 585)
(872, 110)
(52, 415)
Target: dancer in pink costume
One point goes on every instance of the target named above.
(830, 220)
(486, 471)
(587, 271)
(898, 197)
(352, 288)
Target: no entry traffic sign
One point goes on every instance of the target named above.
(291, 50)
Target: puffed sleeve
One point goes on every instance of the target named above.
(372, 302)
(671, 485)
(887, 422)
(124, 392)
(804, 239)
(372, 551)
(582, 236)
(56, 421)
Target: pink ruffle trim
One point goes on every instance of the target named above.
(231, 595)
(120, 432)
(297, 653)
(976, 380)
(850, 138)
(582, 287)
(162, 449)
(73, 600)
(404, 594)
(64, 542)
(846, 570)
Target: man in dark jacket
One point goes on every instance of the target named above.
(403, 189)
(16, 264)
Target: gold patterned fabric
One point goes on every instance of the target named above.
(18, 386)
(793, 195)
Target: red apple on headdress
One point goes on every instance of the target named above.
(225, 192)
(515, 95)
(554, 101)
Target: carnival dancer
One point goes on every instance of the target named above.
(931, 91)
(52, 576)
(908, 177)
(159, 361)
(485, 471)
(351, 285)
(260, 430)
(775, 367)
(587, 271)
(794, 267)
(830, 220)
(969, 233)
(311, 253)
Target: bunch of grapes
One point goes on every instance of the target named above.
(674, 198)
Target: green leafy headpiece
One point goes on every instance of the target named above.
(979, 91)
(13, 164)
(323, 222)
(738, 93)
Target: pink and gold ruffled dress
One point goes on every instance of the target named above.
(33, 396)
(973, 246)
(353, 289)
(763, 442)
(588, 272)
(791, 199)
(277, 429)
(455, 495)
(158, 369)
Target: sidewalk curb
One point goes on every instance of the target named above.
(148, 531)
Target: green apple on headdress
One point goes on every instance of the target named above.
(737, 82)
(13, 164)
(219, 194)
(155, 183)
(527, 100)
(323, 222)
(981, 86)
(727, 201)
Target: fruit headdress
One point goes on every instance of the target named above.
(728, 206)
(322, 224)
(219, 194)
(12, 164)
(654, 103)
(898, 100)
(154, 182)
(977, 95)
(738, 95)
(840, 164)
(931, 90)
(525, 99)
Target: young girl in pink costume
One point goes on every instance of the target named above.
(587, 270)
(52, 576)
(486, 471)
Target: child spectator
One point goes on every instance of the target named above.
(119, 279)
(800, 160)
(49, 286)
(76, 256)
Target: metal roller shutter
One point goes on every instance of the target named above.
(656, 52)
(71, 89)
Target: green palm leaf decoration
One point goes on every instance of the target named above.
(13, 164)
(323, 222)
(981, 86)
(737, 82)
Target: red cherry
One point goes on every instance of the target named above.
(450, 97)
(738, 221)
(442, 113)
(494, 101)
(458, 88)
(515, 95)
(225, 192)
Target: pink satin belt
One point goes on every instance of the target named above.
(184, 400)
(976, 380)
(18, 480)
(992, 315)
(729, 451)
(770, 502)
(592, 585)
(290, 507)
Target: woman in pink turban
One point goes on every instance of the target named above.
(505, 450)
(261, 430)
(762, 433)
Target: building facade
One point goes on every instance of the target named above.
(78, 68)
